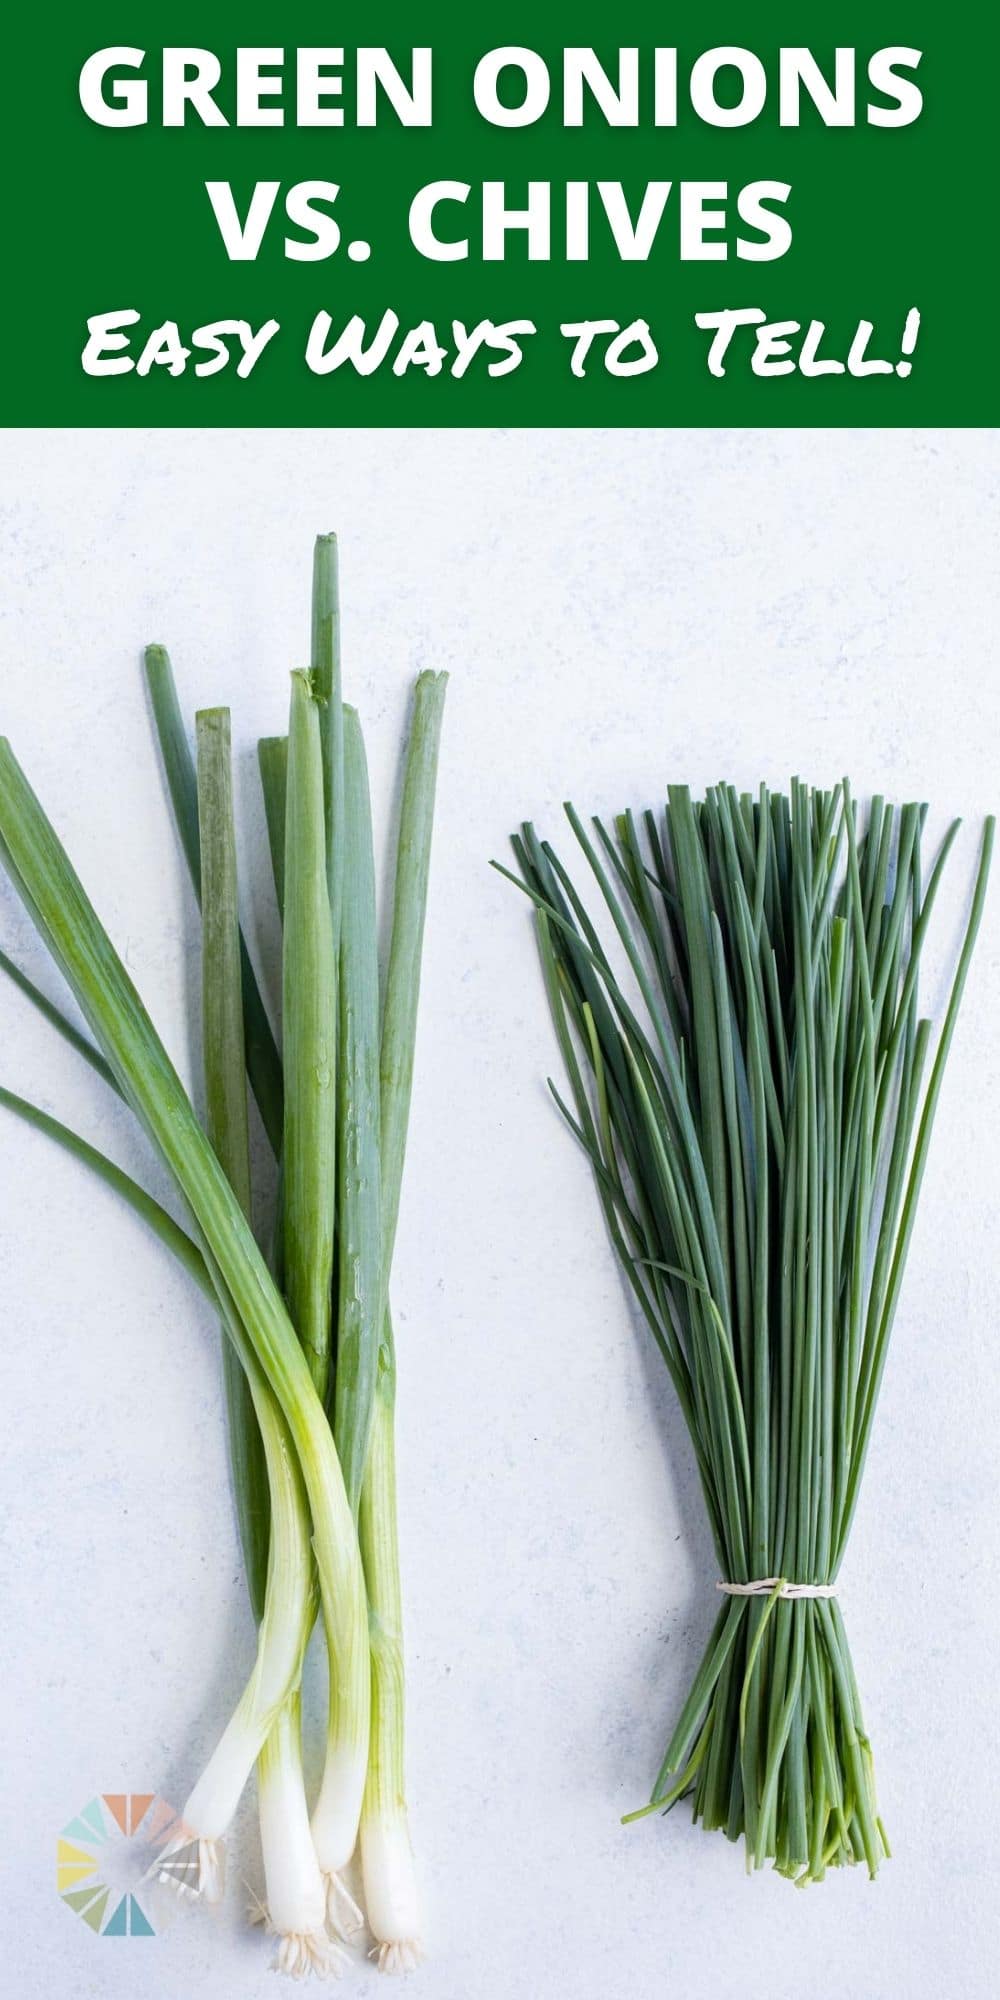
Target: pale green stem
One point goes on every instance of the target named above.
(390, 1882)
(309, 990)
(261, 1325)
(224, 1061)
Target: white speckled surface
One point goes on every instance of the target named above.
(616, 610)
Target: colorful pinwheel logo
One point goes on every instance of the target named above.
(104, 1858)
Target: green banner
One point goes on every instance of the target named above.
(560, 214)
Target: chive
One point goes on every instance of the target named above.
(877, 1343)
(309, 990)
(758, 1125)
(226, 1105)
(263, 1061)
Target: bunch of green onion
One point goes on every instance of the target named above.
(755, 1087)
(307, 1350)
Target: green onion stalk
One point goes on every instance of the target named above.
(278, 1517)
(331, 914)
(263, 1060)
(289, 1587)
(309, 1370)
(235, 1034)
(274, 1519)
(338, 1807)
(314, 861)
(295, 1908)
(253, 1310)
(375, 1072)
(296, 1896)
(286, 1622)
(755, 1088)
(302, 786)
(319, 1153)
(271, 1505)
(391, 1892)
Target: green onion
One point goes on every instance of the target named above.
(255, 1314)
(296, 1901)
(296, 1898)
(359, 1242)
(152, 1212)
(266, 1714)
(309, 985)
(325, 662)
(272, 757)
(358, 1263)
(263, 1061)
(57, 1020)
(316, 1162)
(750, 1092)
(224, 1061)
(289, 1609)
(310, 1416)
(391, 1892)
(402, 986)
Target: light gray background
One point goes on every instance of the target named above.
(616, 610)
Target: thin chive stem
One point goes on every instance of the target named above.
(757, 1120)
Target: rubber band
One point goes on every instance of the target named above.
(775, 1586)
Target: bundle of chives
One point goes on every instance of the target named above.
(308, 1359)
(750, 1089)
